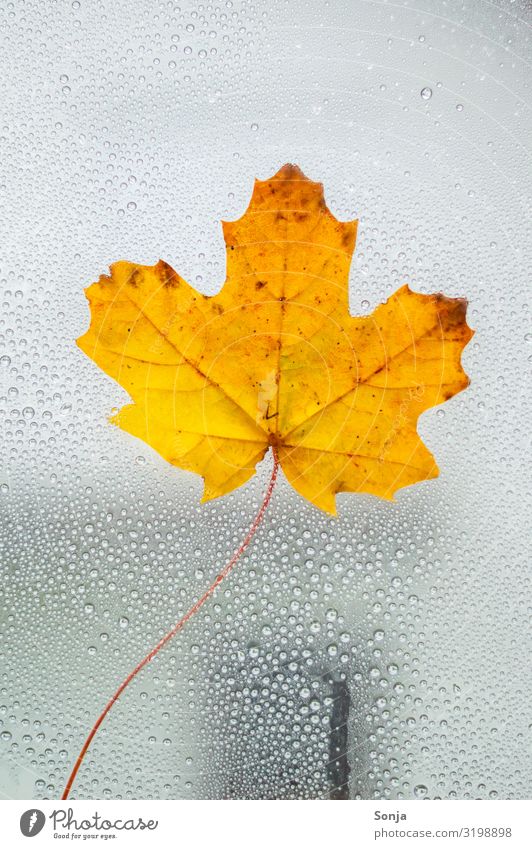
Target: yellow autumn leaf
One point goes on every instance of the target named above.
(276, 359)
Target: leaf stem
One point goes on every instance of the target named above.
(177, 627)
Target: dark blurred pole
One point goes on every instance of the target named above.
(338, 768)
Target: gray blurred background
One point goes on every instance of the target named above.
(381, 654)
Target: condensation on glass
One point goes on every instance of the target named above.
(381, 654)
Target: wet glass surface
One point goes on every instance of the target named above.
(381, 654)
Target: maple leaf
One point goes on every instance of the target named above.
(276, 359)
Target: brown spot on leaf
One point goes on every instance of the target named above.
(347, 238)
(166, 274)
